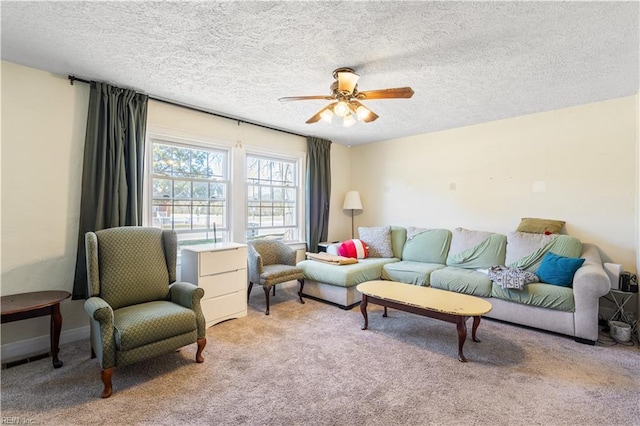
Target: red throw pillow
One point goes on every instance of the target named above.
(353, 248)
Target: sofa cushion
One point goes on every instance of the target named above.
(476, 249)
(410, 272)
(461, 280)
(539, 295)
(558, 270)
(146, 323)
(398, 238)
(427, 245)
(344, 275)
(521, 244)
(540, 226)
(562, 245)
(378, 240)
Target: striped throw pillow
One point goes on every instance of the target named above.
(353, 248)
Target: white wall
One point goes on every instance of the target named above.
(43, 126)
(576, 164)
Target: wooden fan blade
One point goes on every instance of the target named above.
(399, 92)
(371, 117)
(317, 116)
(304, 98)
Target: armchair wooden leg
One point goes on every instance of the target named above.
(266, 295)
(105, 375)
(274, 290)
(201, 344)
(300, 291)
(249, 290)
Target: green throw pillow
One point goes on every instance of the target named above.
(558, 270)
(540, 226)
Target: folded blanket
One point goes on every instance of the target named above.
(511, 277)
(331, 258)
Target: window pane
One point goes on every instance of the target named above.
(162, 159)
(182, 189)
(218, 190)
(189, 191)
(271, 198)
(201, 190)
(162, 188)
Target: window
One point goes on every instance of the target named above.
(190, 187)
(272, 198)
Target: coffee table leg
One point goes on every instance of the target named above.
(363, 309)
(385, 312)
(462, 336)
(56, 326)
(476, 324)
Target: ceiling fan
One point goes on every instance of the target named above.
(346, 99)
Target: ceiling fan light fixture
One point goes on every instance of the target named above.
(341, 109)
(348, 121)
(345, 99)
(347, 80)
(326, 115)
(362, 112)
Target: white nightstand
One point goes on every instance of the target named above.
(221, 270)
(324, 245)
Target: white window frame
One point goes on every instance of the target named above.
(298, 159)
(192, 143)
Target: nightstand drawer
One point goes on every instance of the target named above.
(223, 306)
(229, 282)
(222, 261)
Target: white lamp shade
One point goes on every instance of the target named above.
(352, 201)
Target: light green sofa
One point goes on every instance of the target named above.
(457, 261)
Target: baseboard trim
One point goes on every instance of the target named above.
(27, 348)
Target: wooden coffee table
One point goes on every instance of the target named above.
(21, 306)
(426, 301)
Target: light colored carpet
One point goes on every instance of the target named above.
(311, 364)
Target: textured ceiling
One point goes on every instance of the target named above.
(468, 62)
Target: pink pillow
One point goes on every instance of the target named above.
(353, 248)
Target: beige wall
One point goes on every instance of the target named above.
(576, 164)
(43, 125)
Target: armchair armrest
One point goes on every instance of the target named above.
(185, 294)
(99, 310)
(189, 295)
(255, 265)
(103, 341)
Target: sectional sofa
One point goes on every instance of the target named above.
(460, 260)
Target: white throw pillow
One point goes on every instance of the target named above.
(378, 239)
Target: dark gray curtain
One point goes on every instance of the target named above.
(318, 189)
(113, 167)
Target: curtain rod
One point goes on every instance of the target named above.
(73, 78)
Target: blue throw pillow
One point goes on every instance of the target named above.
(558, 270)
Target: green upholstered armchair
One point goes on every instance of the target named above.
(272, 262)
(135, 312)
